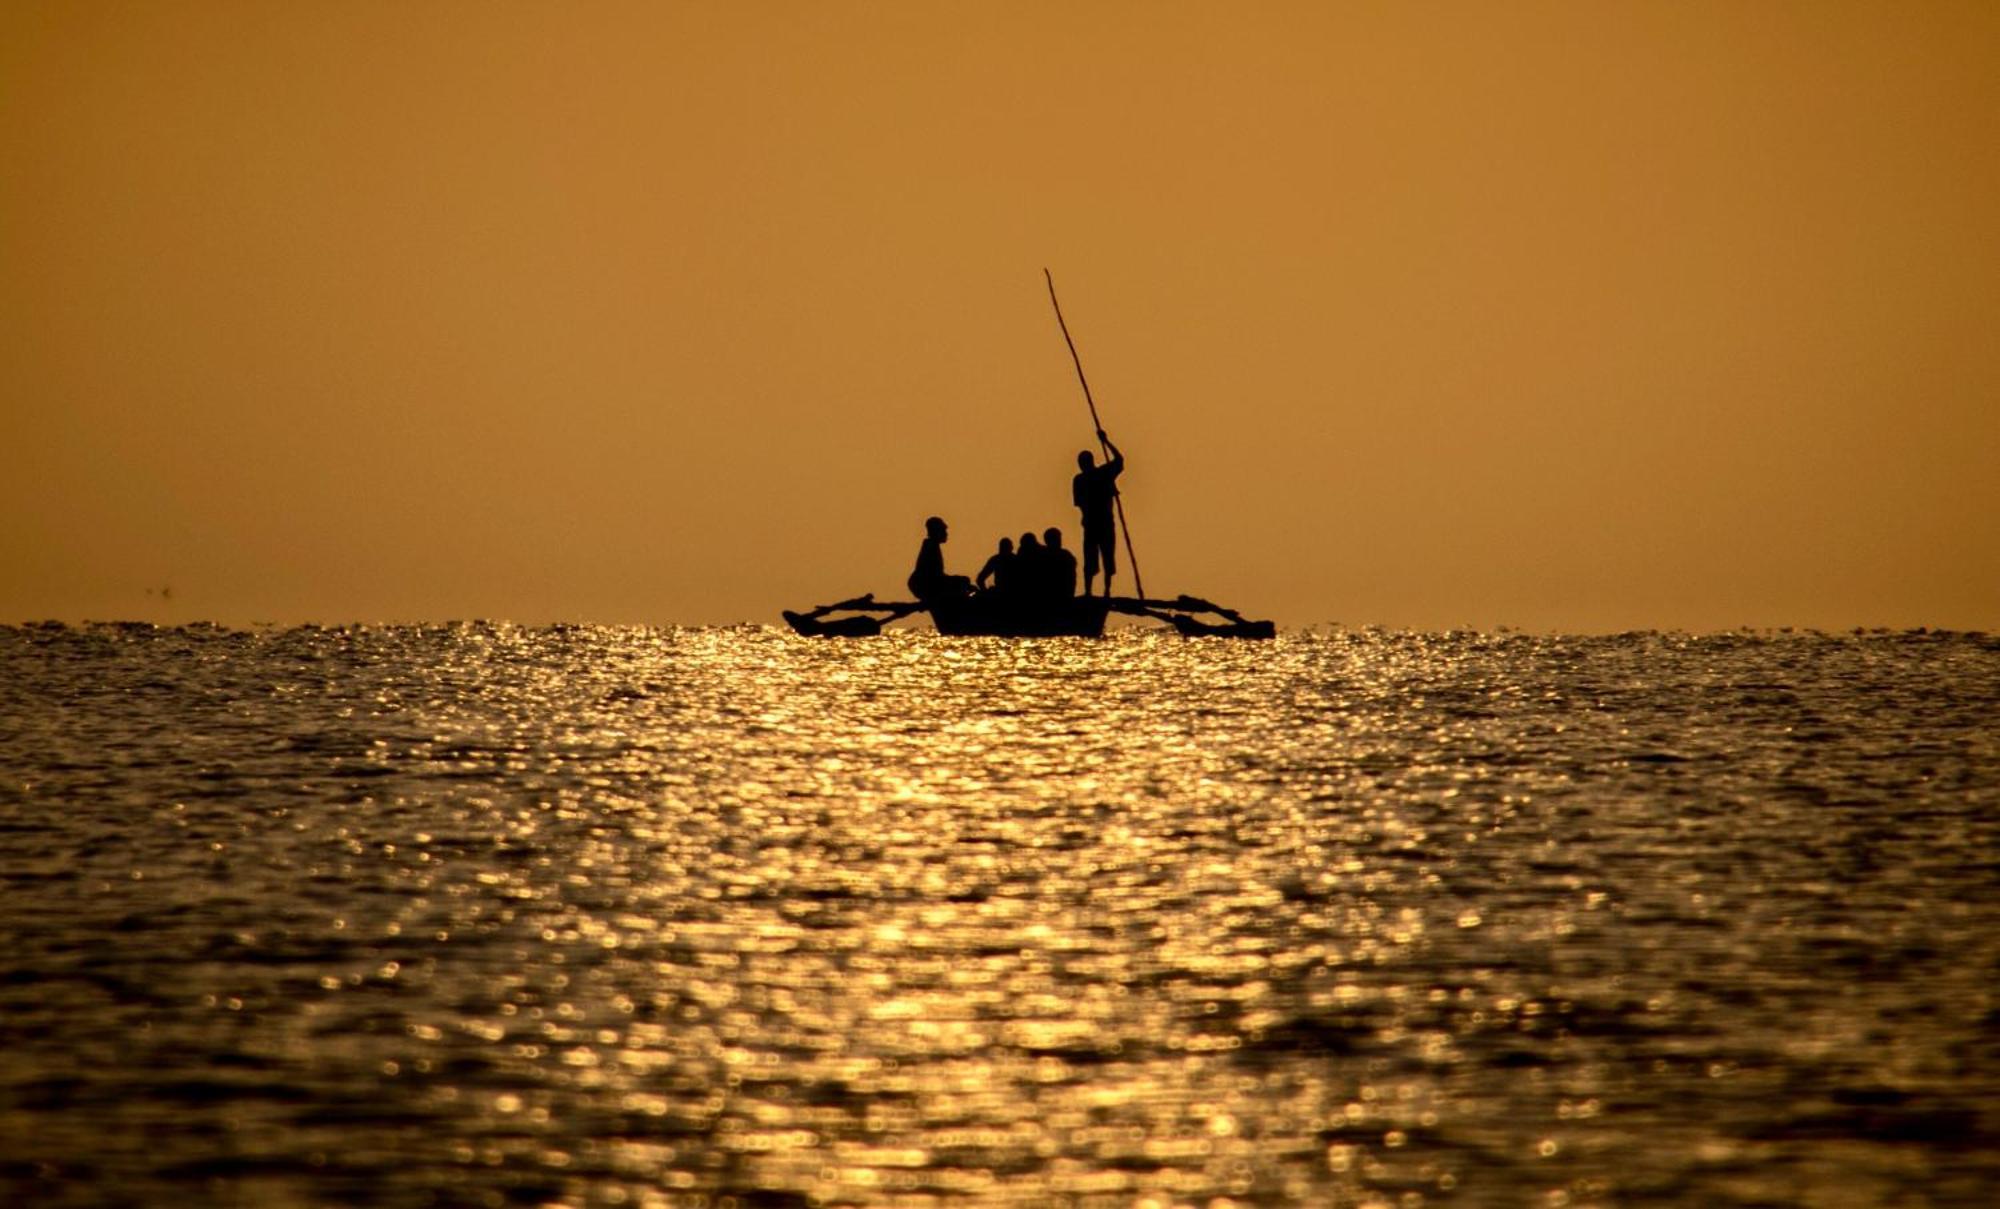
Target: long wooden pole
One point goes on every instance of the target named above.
(1103, 447)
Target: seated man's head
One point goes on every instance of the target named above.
(935, 527)
(1052, 538)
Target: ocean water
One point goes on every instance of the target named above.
(486, 915)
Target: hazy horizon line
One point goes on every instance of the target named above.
(1504, 628)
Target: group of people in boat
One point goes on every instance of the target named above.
(1037, 571)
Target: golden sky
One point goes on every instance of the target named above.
(1560, 316)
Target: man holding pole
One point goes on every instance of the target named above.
(1094, 488)
(1095, 491)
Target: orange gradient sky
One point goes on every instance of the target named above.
(1560, 316)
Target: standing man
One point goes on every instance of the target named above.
(1095, 490)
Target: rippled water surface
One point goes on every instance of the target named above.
(492, 915)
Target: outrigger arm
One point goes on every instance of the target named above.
(861, 621)
(1183, 613)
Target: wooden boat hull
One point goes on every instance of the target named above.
(988, 616)
(984, 616)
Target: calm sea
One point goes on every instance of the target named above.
(477, 914)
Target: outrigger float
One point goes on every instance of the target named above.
(987, 616)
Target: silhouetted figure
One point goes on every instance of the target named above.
(1060, 580)
(999, 569)
(929, 582)
(1095, 490)
(1028, 568)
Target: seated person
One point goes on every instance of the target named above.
(1060, 581)
(928, 582)
(1028, 568)
(999, 569)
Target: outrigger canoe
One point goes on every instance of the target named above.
(994, 615)
(987, 615)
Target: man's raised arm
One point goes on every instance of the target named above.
(1117, 462)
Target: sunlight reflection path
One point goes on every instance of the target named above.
(594, 916)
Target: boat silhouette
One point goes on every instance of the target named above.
(960, 611)
(992, 615)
